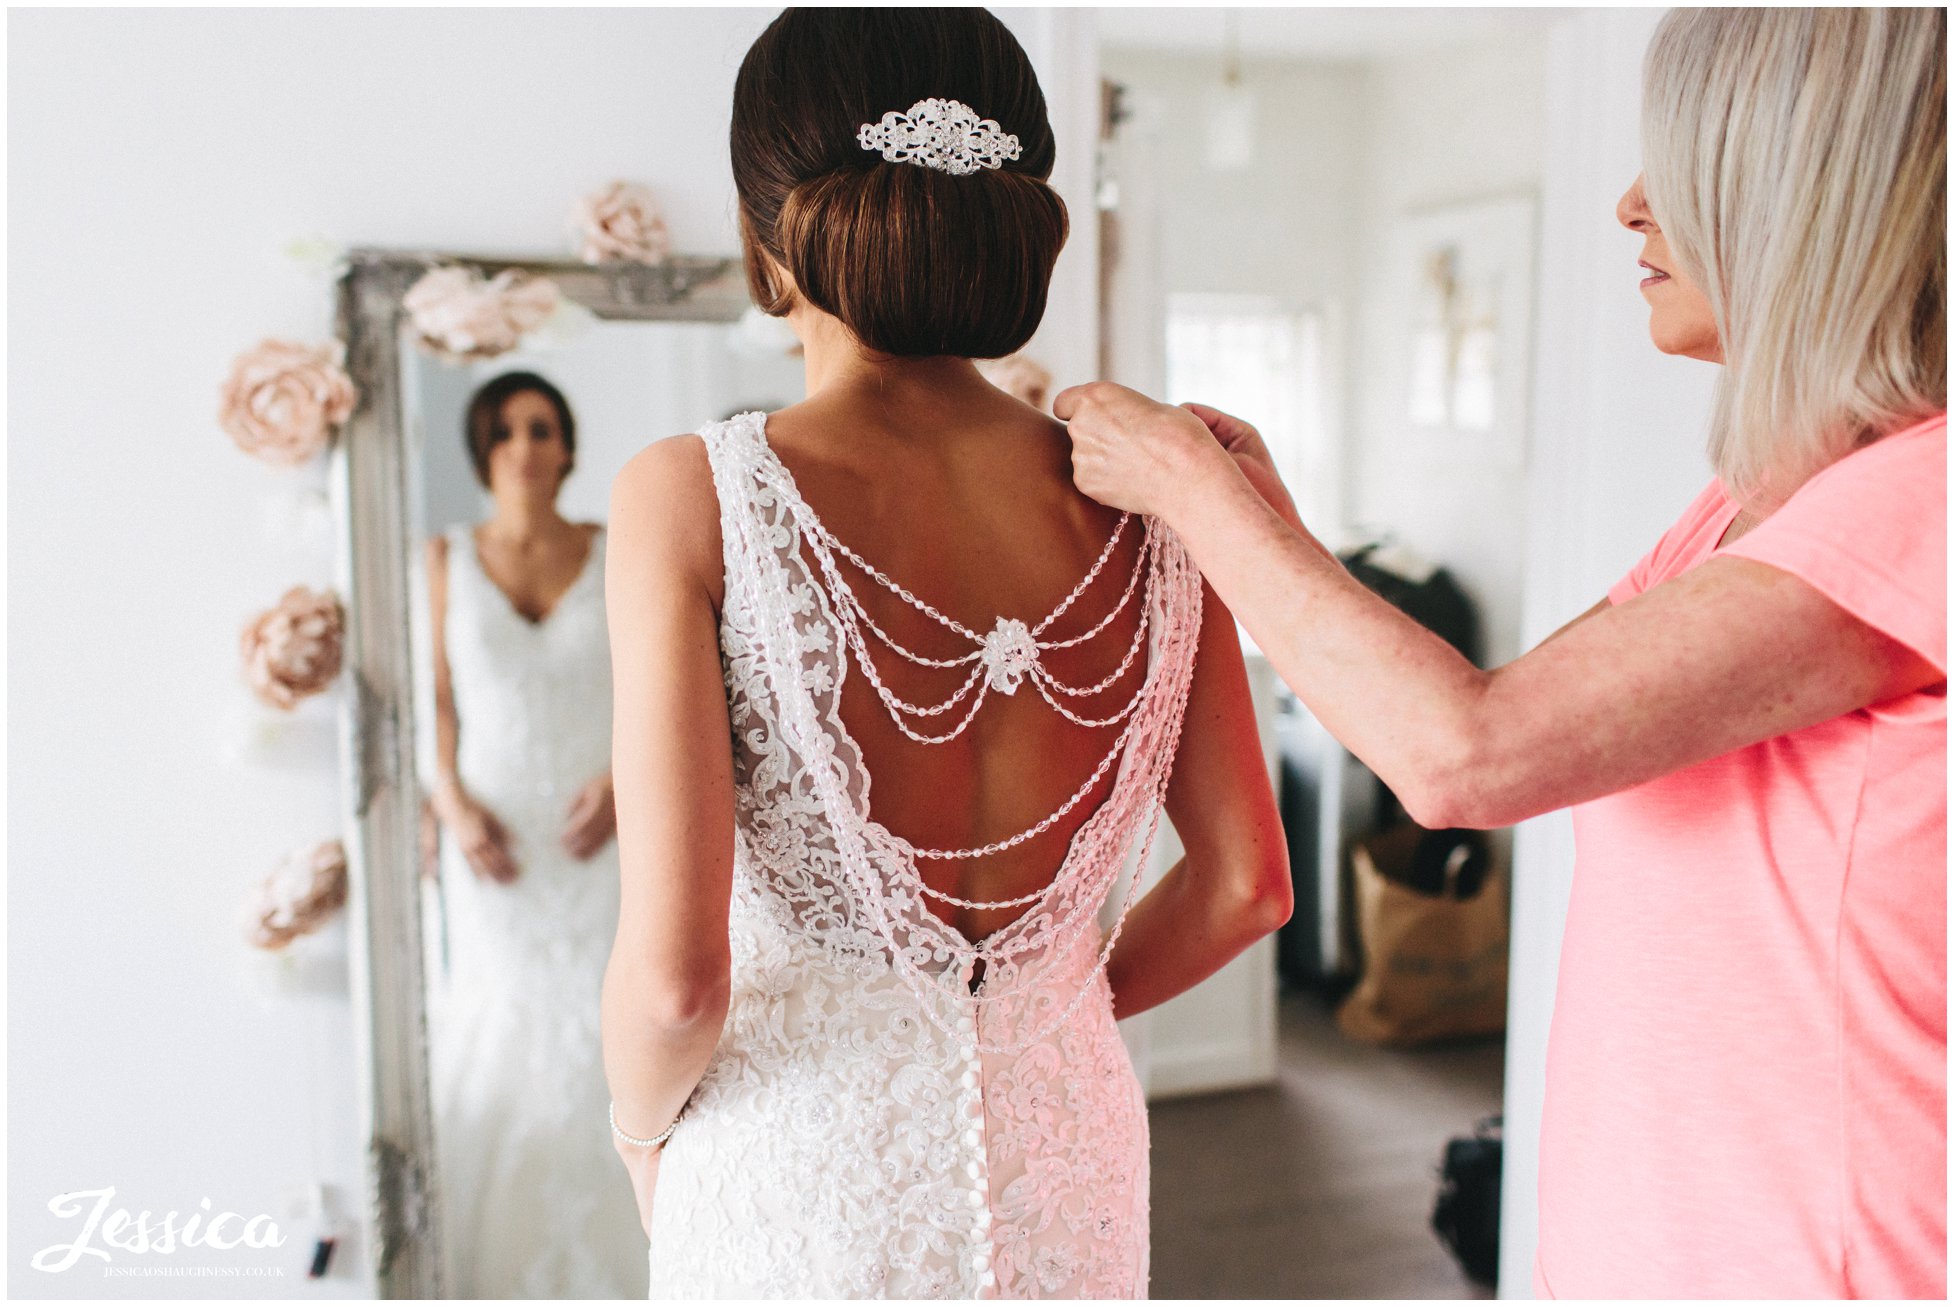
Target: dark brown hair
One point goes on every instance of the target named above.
(483, 428)
(914, 261)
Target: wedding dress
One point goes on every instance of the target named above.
(534, 1199)
(869, 1125)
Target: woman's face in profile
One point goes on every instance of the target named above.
(532, 453)
(1680, 320)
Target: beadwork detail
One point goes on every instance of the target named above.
(1009, 655)
(1003, 658)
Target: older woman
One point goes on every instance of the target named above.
(1746, 1085)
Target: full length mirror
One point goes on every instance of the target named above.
(510, 460)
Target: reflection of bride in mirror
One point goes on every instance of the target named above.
(529, 872)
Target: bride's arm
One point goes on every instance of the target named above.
(1232, 887)
(665, 988)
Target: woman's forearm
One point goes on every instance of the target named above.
(1402, 700)
(1725, 655)
(1180, 933)
(656, 1047)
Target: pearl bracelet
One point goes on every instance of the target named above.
(655, 1141)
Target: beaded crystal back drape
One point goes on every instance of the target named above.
(870, 1126)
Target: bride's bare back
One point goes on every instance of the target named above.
(964, 497)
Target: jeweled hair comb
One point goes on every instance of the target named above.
(946, 135)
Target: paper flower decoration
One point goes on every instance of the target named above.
(282, 400)
(460, 315)
(620, 224)
(294, 650)
(299, 896)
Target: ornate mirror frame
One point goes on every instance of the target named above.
(380, 788)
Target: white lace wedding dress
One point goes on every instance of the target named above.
(869, 1126)
(535, 1203)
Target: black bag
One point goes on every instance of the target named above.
(1432, 598)
(1466, 1215)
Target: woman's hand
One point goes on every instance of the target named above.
(592, 819)
(483, 839)
(642, 1163)
(1244, 444)
(1131, 452)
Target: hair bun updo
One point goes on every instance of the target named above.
(914, 261)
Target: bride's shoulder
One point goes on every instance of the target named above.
(664, 510)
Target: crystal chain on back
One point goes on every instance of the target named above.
(851, 614)
(815, 527)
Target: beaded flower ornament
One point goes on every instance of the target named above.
(946, 135)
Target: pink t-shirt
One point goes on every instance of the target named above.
(1746, 1074)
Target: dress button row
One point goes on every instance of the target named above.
(978, 1198)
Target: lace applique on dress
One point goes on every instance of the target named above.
(868, 1126)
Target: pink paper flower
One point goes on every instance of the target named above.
(283, 399)
(460, 315)
(294, 650)
(620, 224)
(299, 896)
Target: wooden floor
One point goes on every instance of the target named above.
(1319, 1186)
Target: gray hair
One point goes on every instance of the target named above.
(1796, 161)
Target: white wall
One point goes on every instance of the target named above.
(1285, 226)
(1346, 150)
(159, 163)
(1282, 225)
(1444, 126)
(1617, 455)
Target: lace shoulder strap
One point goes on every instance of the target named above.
(776, 636)
(731, 452)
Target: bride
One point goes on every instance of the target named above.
(528, 871)
(863, 1044)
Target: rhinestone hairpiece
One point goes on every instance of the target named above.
(946, 135)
